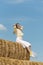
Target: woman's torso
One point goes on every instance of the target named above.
(19, 34)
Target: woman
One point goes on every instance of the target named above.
(18, 31)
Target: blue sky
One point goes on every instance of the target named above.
(28, 13)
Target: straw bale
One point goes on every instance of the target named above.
(8, 61)
(13, 50)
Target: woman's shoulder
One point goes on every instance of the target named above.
(19, 31)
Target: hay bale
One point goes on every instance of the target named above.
(8, 61)
(13, 50)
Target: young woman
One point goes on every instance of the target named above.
(18, 31)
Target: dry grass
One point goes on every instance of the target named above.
(13, 50)
(8, 61)
(12, 53)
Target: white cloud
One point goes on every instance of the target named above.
(14, 1)
(2, 27)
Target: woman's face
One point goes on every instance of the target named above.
(18, 26)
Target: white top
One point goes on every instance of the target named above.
(19, 34)
(19, 39)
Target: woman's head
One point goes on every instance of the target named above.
(17, 26)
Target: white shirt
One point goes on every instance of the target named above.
(19, 34)
(19, 39)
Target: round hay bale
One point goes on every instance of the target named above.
(8, 61)
(13, 50)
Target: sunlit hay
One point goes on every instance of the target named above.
(13, 50)
(8, 61)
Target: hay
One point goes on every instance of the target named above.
(8, 61)
(13, 50)
(12, 53)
